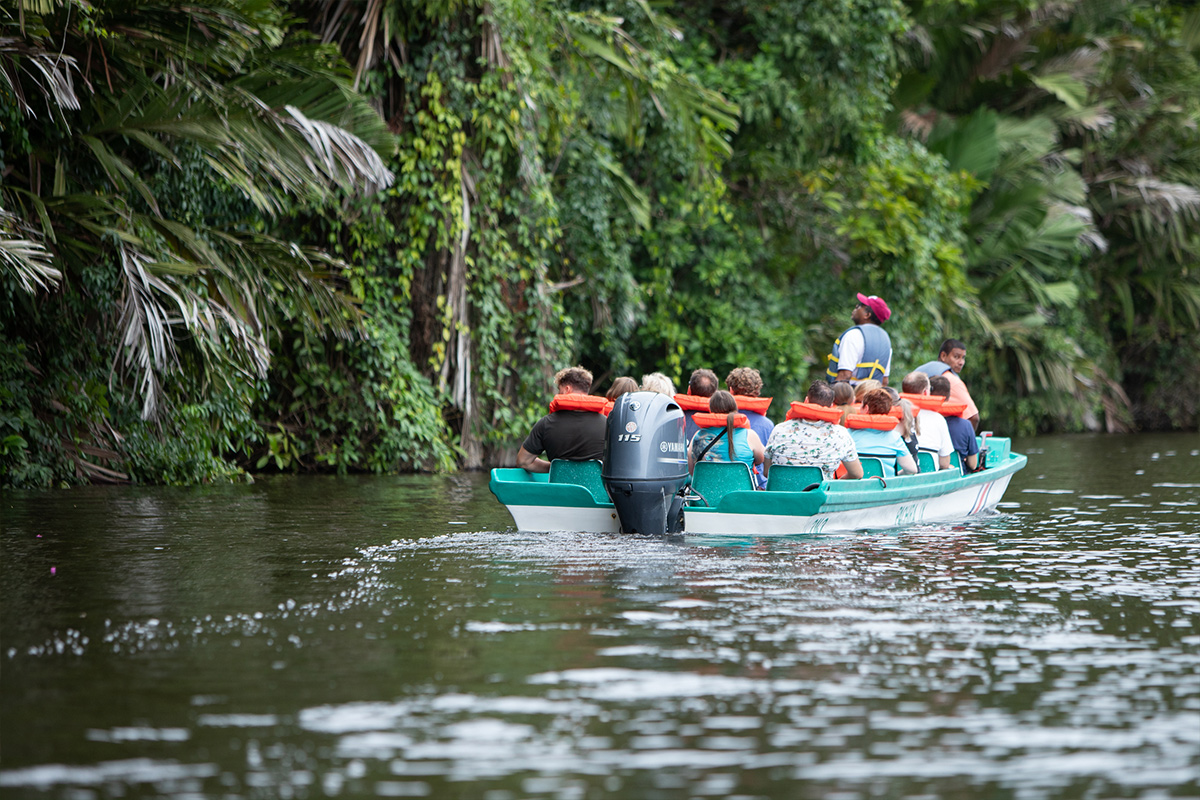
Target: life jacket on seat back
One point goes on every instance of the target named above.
(692, 402)
(711, 419)
(578, 402)
(874, 422)
(813, 412)
(759, 405)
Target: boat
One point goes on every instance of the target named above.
(720, 498)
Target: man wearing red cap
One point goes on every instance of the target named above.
(863, 351)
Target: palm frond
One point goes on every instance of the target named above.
(24, 258)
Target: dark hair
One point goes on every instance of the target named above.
(915, 383)
(620, 386)
(575, 377)
(877, 401)
(952, 344)
(744, 381)
(820, 393)
(703, 382)
(722, 402)
(939, 385)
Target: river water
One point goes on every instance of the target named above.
(393, 637)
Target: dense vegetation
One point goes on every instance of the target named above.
(361, 236)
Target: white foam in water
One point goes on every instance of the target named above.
(135, 770)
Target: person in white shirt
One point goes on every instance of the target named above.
(932, 433)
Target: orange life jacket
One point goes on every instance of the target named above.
(710, 419)
(692, 402)
(812, 411)
(933, 402)
(608, 407)
(578, 402)
(758, 405)
(949, 409)
(874, 422)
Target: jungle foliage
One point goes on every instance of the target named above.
(362, 236)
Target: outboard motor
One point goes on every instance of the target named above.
(645, 462)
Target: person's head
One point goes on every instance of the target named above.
(939, 385)
(892, 393)
(744, 381)
(866, 386)
(870, 309)
(722, 402)
(573, 380)
(622, 385)
(954, 353)
(703, 383)
(819, 394)
(657, 382)
(843, 393)
(915, 383)
(877, 401)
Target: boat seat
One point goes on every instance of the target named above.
(956, 461)
(872, 467)
(712, 480)
(926, 462)
(788, 478)
(580, 473)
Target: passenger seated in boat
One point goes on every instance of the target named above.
(745, 384)
(933, 435)
(952, 356)
(876, 433)
(657, 382)
(701, 386)
(843, 400)
(573, 430)
(620, 386)
(809, 437)
(910, 428)
(863, 387)
(740, 442)
(962, 432)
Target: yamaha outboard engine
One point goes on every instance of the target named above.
(645, 462)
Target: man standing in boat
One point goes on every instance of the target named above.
(864, 350)
(951, 357)
(574, 429)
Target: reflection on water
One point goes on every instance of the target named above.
(390, 637)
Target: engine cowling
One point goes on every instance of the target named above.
(645, 462)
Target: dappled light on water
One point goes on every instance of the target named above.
(1051, 650)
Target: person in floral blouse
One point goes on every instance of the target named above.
(814, 443)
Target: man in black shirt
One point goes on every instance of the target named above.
(573, 430)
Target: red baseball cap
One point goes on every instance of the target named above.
(876, 305)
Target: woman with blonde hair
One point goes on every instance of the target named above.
(657, 382)
(843, 400)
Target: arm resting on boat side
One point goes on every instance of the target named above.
(906, 464)
(531, 463)
(972, 462)
(760, 452)
(854, 469)
(943, 462)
